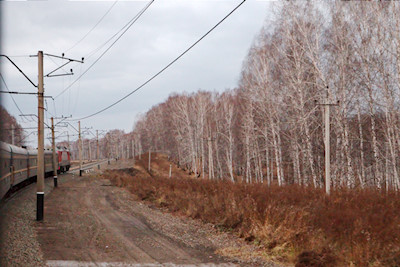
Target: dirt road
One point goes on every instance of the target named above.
(88, 222)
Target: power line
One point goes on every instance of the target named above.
(137, 16)
(94, 51)
(166, 67)
(15, 65)
(108, 11)
(2, 78)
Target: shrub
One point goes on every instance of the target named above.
(360, 227)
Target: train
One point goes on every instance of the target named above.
(19, 164)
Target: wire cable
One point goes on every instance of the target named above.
(137, 16)
(94, 51)
(5, 84)
(108, 11)
(163, 69)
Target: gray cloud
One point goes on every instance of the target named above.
(164, 31)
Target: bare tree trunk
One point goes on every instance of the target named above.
(360, 131)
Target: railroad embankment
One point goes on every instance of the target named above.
(290, 223)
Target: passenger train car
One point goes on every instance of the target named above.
(19, 164)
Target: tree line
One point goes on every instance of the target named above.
(270, 128)
(10, 129)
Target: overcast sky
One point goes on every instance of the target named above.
(164, 31)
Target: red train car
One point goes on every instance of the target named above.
(64, 159)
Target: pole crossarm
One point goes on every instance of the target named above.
(18, 93)
(62, 57)
(30, 115)
(15, 65)
(62, 118)
(72, 126)
(25, 93)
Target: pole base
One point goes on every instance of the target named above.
(98, 167)
(80, 172)
(55, 181)
(39, 206)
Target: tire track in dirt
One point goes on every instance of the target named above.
(147, 245)
(86, 221)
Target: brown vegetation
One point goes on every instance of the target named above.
(7, 122)
(290, 223)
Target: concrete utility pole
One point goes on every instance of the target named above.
(170, 170)
(98, 150)
(140, 150)
(327, 141)
(117, 150)
(127, 150)
(327, 151)
(83, 150)
(149, 158)
(90, 151)
(133, 152)
(210, 161)
(80, 148)
(12, 134)
(40, 154)
(55, 163)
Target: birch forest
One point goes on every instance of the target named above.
(270, 129)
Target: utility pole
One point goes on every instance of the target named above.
(55, 163)
(68, 140)
(133, 152)
(90, 152)
(149, 158)
(327, 151)
(40, 154)
(140, 150)
(116, 150)
(40, 94)
(80, 148)
(127, 150)
(210, 161)
(12, 134)
(327, 141)
(170, 170)
(98, 151)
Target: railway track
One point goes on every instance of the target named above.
(26, 185)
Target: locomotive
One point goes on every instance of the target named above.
(19, 164)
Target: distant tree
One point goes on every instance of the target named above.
(8, 122)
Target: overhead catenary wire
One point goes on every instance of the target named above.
(5, 84)
(98, 22)
(135, 18)
(166, 67)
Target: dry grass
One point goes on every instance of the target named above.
(291, 223)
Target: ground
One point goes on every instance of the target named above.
(89, 222)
